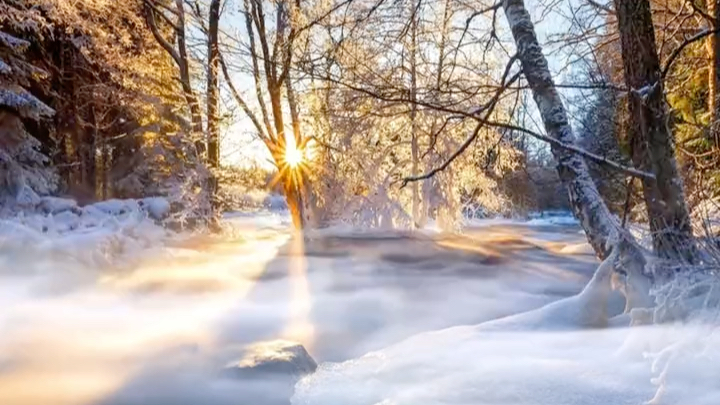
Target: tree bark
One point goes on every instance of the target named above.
(294, 202)
(179, 55)
(601, 228)
(259, 94)
(713, 6)
(414, 148)
(184, 66)
(255, 20)
(301, 179)
(650, 132)
(212, 85)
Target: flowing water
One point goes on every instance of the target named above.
(158, 332)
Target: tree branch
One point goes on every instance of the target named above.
(241, 102)
(150, 17)
(700, 35)
(162, 15)
(601, 160)
(488, 109)
(702, 12)
(256, 71)
(603, 7)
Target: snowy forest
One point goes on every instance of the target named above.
(359, 202)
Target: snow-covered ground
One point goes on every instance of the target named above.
(159, 332)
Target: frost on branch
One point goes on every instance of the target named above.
(23, 103)
(5, 69)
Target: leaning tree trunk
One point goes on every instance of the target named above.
(601, 228)
(650, 132)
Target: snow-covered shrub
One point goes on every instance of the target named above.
(243, 188)
(366, 147)
(108, 233)
(166, 164)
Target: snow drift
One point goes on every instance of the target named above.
(559, 354)
(105, 233)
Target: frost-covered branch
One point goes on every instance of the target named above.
(488, 109)
(15, 44)
(448, 161)
(601, 160)
(24, 103)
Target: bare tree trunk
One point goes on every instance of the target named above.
(184, 66)
(428, 186)
(601, 228)
(179, 55)
(294, 117)
(93, 160)
(301, 184)
(650, 132)
(713, 8)
(291, 186)
(212, 85)
(270, 57)
(294, 201)
(413, 120)
(276, 108)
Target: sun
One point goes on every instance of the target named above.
(294, 162)
(293, 156)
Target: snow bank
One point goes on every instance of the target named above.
(466, 366)
(578, 249)
(558, 354)
(104, 233)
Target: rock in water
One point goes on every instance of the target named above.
(269, 371)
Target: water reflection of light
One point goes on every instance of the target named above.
(300, 327)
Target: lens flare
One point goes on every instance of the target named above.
(293, 156)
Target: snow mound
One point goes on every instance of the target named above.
(466, 366)
(578, 249)
(55, 205)
(105, 233)
(158, 208)
(560, 354)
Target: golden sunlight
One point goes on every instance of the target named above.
(293, 156)
(300, 327)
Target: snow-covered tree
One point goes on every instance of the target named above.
(25, 172)
(376, 101)
(111, 87)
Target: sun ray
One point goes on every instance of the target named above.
(293, 162)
